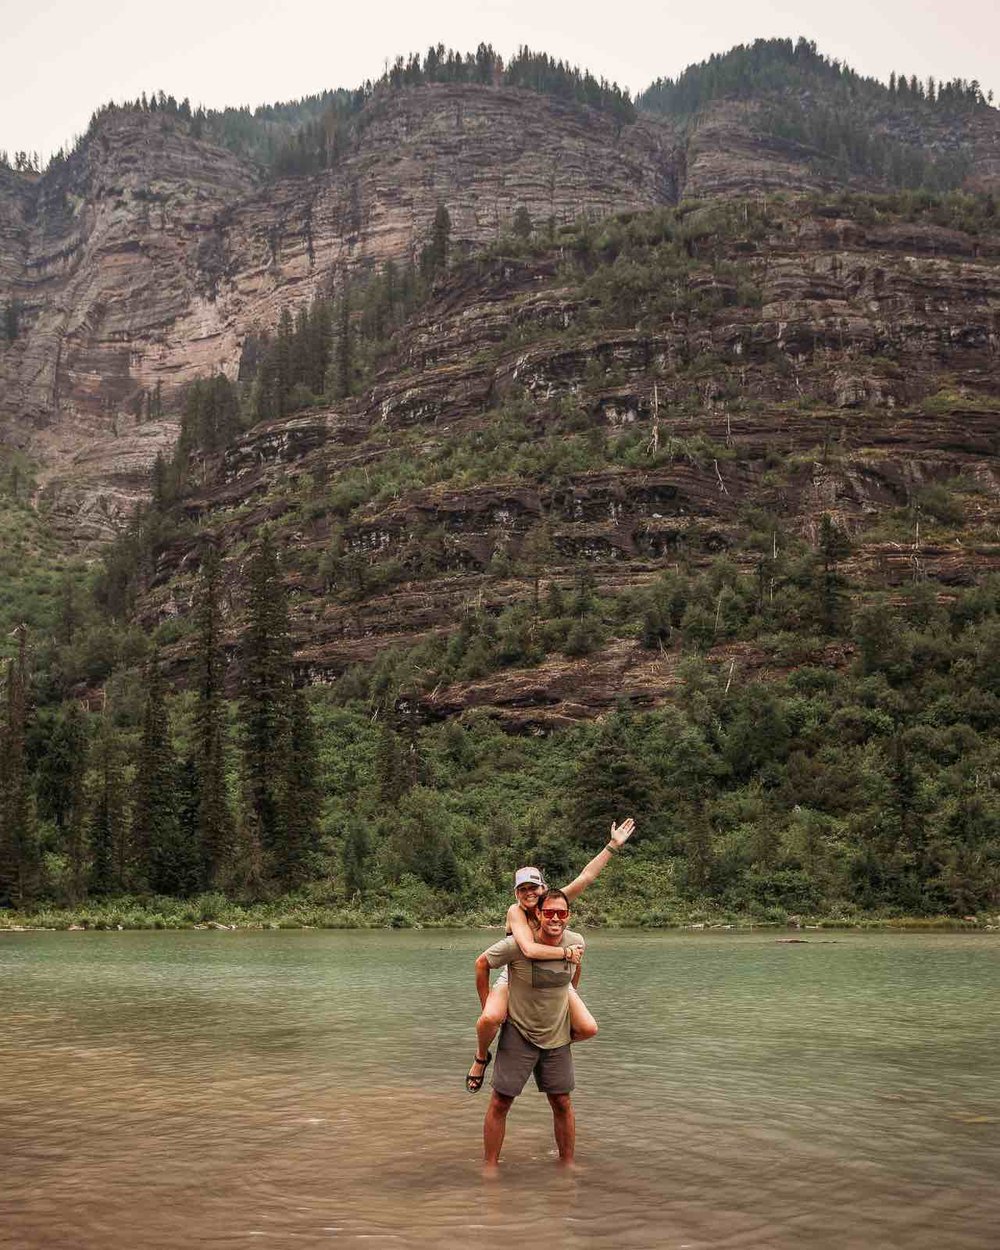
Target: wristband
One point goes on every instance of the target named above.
(612, 848)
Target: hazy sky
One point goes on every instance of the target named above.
(63, 58)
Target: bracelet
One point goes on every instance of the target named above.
(612, 848)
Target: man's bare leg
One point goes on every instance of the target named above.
(564, 1125)
(494, 1127)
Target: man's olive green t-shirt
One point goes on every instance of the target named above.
(539, 991)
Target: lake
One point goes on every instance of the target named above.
(297, 1089)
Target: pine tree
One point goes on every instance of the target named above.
(107, 829)
(19, 852)
(210, 422)
(298, 356)
(292, 856)
(11, 320)
(354, 859)
(434, 259)
(280, 756)
(698, 850)
(611, 782)
(74, 825)
(214, 818)
(70, 610)
(319, 334)
(160, 484)
(265, 684)
(63, 735)
(167, 861)
(342, 367)
(834, 547)
(391, 775)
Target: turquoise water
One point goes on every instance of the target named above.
(302, 1088)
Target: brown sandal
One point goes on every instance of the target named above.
(475, 1083)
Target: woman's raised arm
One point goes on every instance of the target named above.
(620, 834)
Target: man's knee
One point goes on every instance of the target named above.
(500, 1104)
(560, 1103)
(584, 1032)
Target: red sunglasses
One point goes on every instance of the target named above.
(554, 913)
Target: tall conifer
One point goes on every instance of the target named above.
(166, 853)
(214, 818)
(19, 856)
(107, 827)
(301, 800)
(343, 359)
(75, 841)
(611, 780)
(265, 681)
(279, 745)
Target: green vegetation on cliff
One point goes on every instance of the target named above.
(781, 65)
(829, 743)
(846, 123)
(313, 133)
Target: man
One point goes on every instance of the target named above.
(536, 1037)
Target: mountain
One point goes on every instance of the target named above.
(617, 458)
(150, 256)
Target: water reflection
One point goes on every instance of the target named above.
(226, 1089)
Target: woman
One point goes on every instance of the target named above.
(522, 923)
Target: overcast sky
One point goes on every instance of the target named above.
(63, 58)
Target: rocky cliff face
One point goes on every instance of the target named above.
(863, 374)
(817, 356)
(149, 258)
(730, 151)
(108, 282)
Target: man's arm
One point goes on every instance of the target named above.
(494, 956)
(620, 834)
(530, 949)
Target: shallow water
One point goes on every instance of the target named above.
(301, 1088)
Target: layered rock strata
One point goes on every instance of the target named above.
(866, 374)
(149, 258)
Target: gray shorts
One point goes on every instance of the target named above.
(517, 1058)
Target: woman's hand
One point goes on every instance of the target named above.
(574, 955)
(620, 834)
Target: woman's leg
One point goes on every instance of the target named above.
(582, 1025)
(494, 1014)
(488, 1025)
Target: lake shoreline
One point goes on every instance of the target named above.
(210, 913)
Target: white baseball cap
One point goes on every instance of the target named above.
(528, 876)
